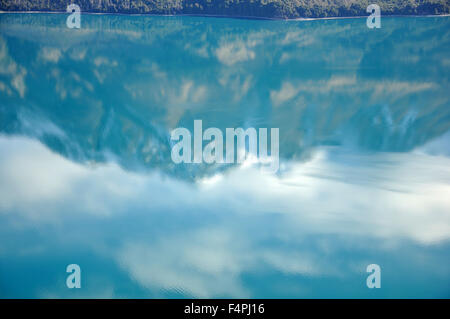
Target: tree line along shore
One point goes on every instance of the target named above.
(276, 9)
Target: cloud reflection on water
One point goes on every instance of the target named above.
(388, 198)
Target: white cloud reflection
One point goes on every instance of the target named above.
(392, 197)
(203, 264)
(232, 52)
(386, 195)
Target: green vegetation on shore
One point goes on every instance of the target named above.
(239, 8)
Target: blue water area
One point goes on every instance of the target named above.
(87, 178)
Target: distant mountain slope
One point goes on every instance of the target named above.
(239, 8)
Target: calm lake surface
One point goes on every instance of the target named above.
(86, 175)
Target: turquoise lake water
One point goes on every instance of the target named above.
(86, 175)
